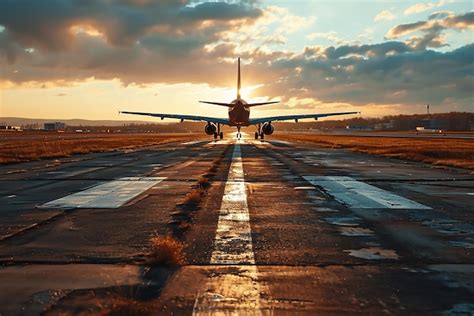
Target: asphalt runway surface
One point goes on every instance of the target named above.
(284, 228)
(406, 134)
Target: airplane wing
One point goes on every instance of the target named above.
(295, 117)
(181, 117)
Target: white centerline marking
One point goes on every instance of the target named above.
(235, 292)
(112, 194)
(357, 194)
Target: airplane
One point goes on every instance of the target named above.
(239, 115)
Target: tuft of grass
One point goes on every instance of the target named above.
(194, 197)
(166, 251)
(204, 183)
(184, 226)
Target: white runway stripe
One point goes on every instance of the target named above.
(194, 142)
(357, 194)
(111, 194)
(235, 292)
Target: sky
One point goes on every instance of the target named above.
(90, 58)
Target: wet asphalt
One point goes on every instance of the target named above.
(397, 239)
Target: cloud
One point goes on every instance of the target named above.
(385, 15)
(271, 28)
(433, 28)
(51, 23)
(387, 73)
(404, 29)
(330, 36)
(421, 7)
(145, 41)
(439, 15)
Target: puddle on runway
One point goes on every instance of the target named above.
(355, 231)
(449, 226)
(462, 244)
(304, 188)
(344, 221)
(373, 253)
(325, 209)
(460, 310)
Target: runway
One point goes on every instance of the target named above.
(283, 228)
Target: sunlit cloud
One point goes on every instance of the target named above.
(421, 7)
(384, 15)
(142, 48)
(330, 36)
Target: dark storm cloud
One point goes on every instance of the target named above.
(46, 24)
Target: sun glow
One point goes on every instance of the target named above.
(246, 93)
(86, 29)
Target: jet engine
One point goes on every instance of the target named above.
(210, 129)
(267, 128)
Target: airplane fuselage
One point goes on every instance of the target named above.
(239, 113)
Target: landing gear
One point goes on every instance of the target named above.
(218, 133)
(259, 132)
(239, 134)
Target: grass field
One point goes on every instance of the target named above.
(28, 146)
(446, 152)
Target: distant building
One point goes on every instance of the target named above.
(10, 128)
(359, 127)
(55, 126)
(385, 125)
(434, 123)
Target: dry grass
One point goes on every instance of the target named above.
(128, 307)
(446, 152)
(194, 197)
(28, 146)
(204, 183)
(166, 251)
(182, 216)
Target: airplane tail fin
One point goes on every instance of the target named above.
(238, 78)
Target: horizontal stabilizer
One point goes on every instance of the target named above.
(261, 103)
(218, 103)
